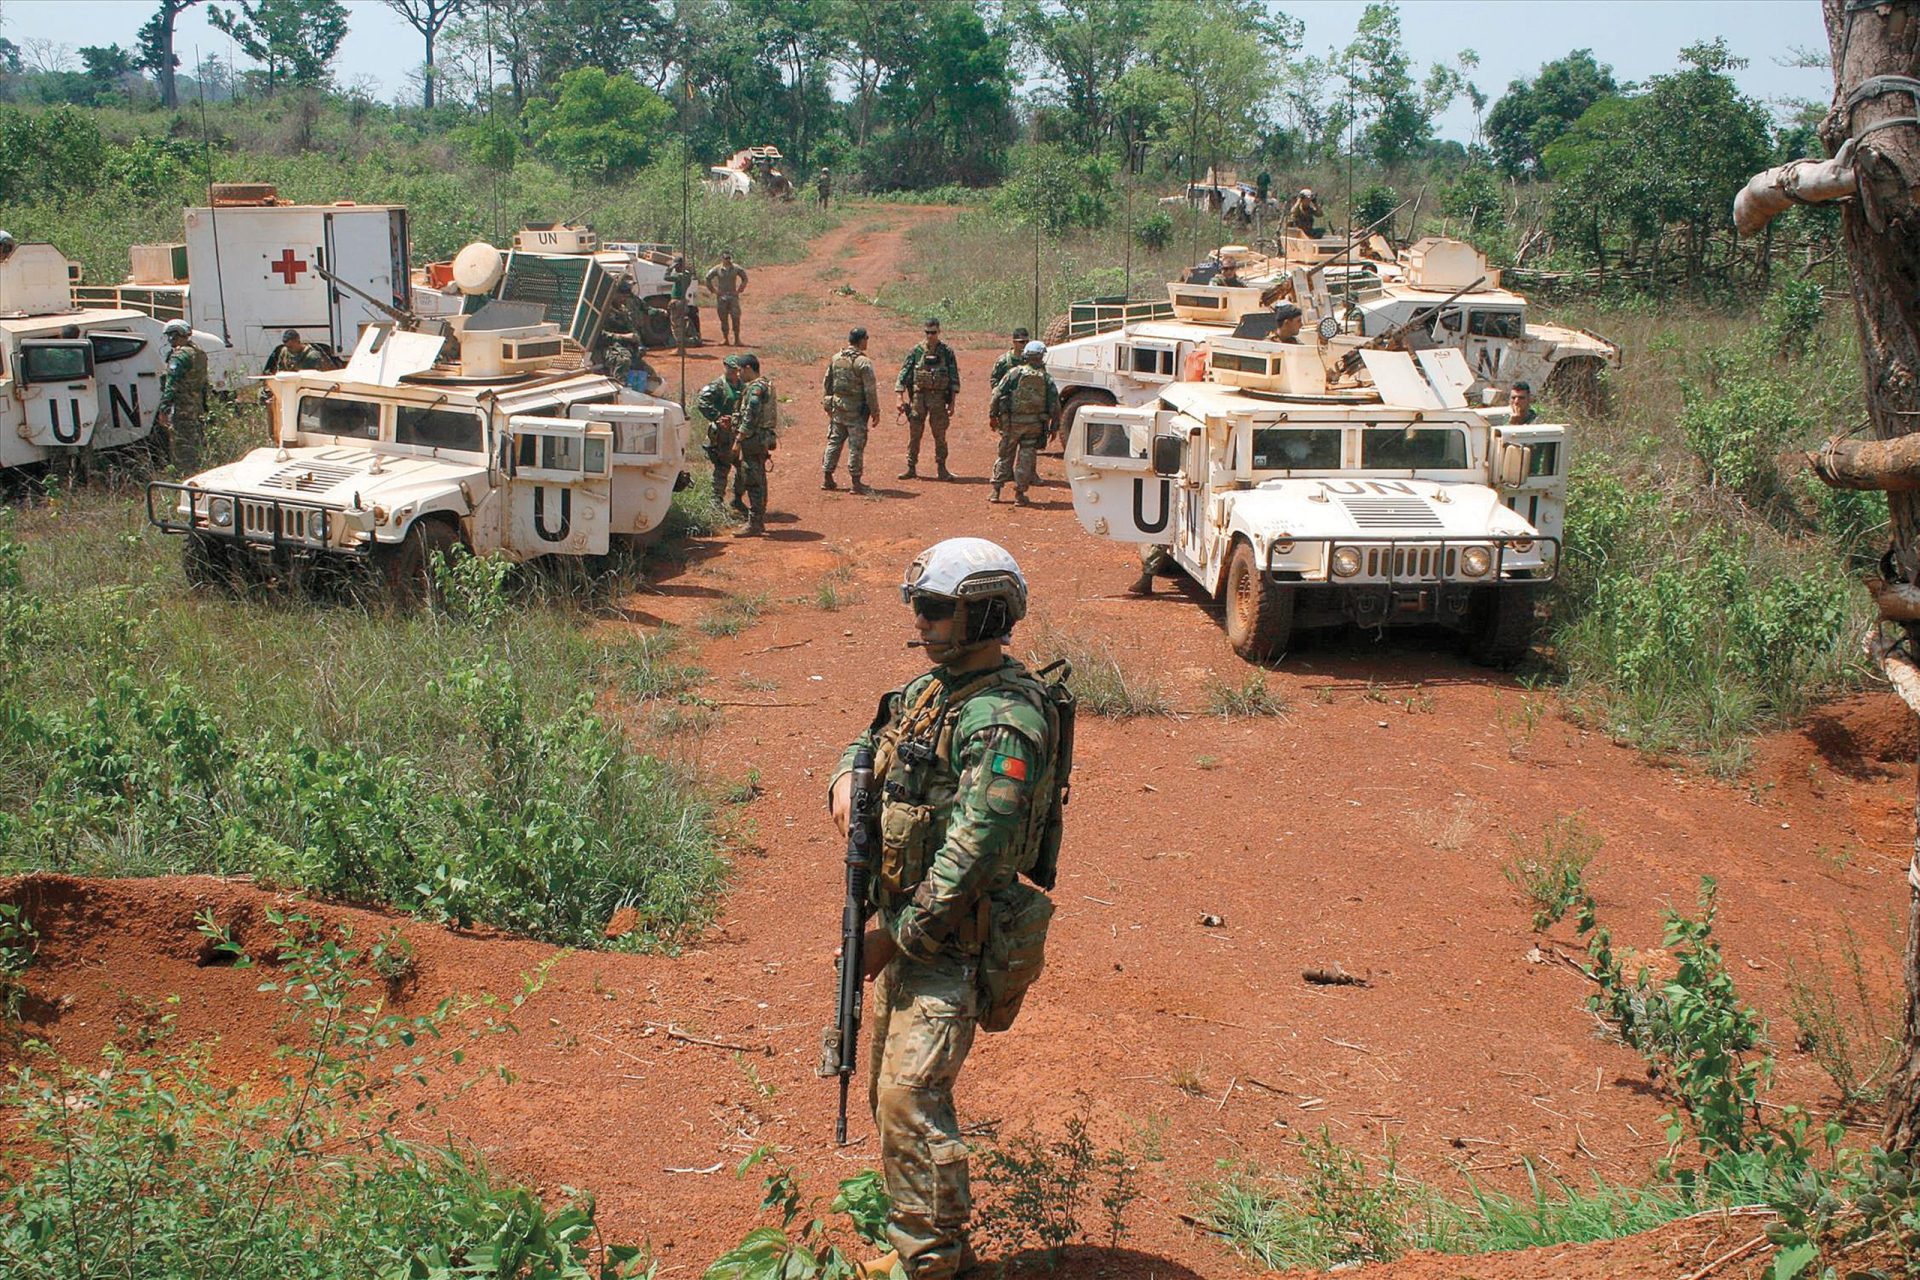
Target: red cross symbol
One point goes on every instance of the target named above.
(289, 266)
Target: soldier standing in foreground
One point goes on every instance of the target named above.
(679, 278)
(719, 403)
(851, 397)
(758, 436)
(1026, 409)
(1016, 354)
(928, 384)
(183, 397)
(972, 759)
(728, 282)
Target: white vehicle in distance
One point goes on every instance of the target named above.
(71, 378)
(511, 447)
(1298, 498)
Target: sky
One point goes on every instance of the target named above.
(1638, 38)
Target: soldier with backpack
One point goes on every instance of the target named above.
(757, 435)
(970, 769)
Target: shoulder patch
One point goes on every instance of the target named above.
(1010, 766)
(1003, 795)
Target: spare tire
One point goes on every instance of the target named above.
(1057, 331)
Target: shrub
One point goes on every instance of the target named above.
(1554, 879)
(1155, 231)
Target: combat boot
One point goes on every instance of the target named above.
(995, 495)
(862, 488)
(1142, 585)
(1020, 498)
(754, 529)
(908, 474)
(827, 482)
(944, 473)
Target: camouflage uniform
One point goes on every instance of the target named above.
(286, 360)
(824, 183)
(183, 399)
(758, 436)
(719, 402)
(931, 379)
(726, 281)
(1026, 405)
(953, 839)
(678, 280)
(851, 397)
(1007, 360)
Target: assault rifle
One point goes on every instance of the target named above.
(840, 1044)
(1351, 361)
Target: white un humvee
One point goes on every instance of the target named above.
(1301, 497)
(511, 447)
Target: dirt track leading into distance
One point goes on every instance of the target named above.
(1366, 828)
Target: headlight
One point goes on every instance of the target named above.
(1283, 545)
(220, 512)
(1475, 561)
(1522, 545)
(1346, 562)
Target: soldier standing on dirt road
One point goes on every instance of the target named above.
(928, 384)
(183, 397)
(757, 436)
(967, 759)
(851, 397)
(1016, 354)
(823, 183)
(1026, 407)
(728, 282)
(719, 404)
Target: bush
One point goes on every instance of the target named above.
(1155, 231)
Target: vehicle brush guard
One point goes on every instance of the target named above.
(1421, 560)
(270, 522)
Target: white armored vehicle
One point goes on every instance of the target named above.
(1440, 293)
(510, 446)
(1299, 497)
(71, 378)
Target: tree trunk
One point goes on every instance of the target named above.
(1881, 231)
(169, 92)
(426, 91)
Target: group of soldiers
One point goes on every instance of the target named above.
(622, 350)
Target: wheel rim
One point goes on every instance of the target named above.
(1243, 597)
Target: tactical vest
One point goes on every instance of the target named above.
(845, 387)
(186, 388)
(931, 374)
(913, 764)
(759, 431)
(1027, 406)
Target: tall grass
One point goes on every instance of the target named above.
(458, 770)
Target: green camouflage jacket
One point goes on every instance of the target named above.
(717, 400)
(951, 824)
(183, 386)
(1007, 360)
(1019, 402)
(758, 419)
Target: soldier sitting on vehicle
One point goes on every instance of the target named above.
(1303, 212)
(295, 355)
(1520, 410)
(1287, 319)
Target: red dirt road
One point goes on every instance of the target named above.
(1365, 828)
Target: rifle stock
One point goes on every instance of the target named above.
(840, 1046)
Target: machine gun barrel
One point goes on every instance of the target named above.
(1357, 239)
(405, 319)
(1351, 361)
(840, 1048)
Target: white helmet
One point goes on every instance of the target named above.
(981, 575)
(1035, 348)
(177, 329)
(1307, 192)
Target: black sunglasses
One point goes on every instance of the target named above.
(934, 608)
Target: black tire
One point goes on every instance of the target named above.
(1579, 382)
(1072, 403)
(1259, 612)
(405, 568)
(1501, 625)
(209, 564)
(1057, 330)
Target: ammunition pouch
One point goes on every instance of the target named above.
(929, 380)
(1015, 953)
(906, 845)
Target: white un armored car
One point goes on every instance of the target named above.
(511, 446)
(1300, 496)
(71, 378)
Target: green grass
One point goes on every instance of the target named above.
(733, 615)
(1253, 696)
(1103, 684)
(459, 771)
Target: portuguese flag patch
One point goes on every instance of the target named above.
(1010, 767)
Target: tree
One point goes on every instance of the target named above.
(617, 36)
(1881, 230)
(1381, 91)
(945, 108)
(153, 48)
(295, 40)
(107, 68)
(1215, 61)
(1086, 47)
(428, 17)
(597, 126)
(1530, 117)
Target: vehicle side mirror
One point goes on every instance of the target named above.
(1513, 465)
(1166, 455)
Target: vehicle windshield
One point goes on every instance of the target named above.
(1497, 324)
(335, 416)
(1413, 448)
(437, 428)
(1296, 448)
